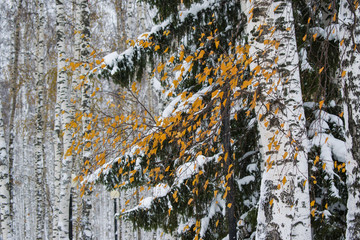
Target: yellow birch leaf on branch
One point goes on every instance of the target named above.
(201, 54)
(314, 36)
(304, 183)
(321, 104)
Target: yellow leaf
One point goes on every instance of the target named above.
(276, 7)
(342, 42)
(326, 206)
(321, 69)
(316, 160)
(285, 155)
(323, 166)
(343, 73)
(304, 38)
(271, 202)
(304, 183)
(157, 47)
(188, 59)
(341, 114)
(201, 54)
(229, 205)
(312, 203)
(284, 180)
(217, 223)
(314, 36)
(321, 104)
(313, 212)
(181, 55)
(268, 106)
(190, 201)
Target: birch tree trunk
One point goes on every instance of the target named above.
(77, 202)
(120, 9)
(350, 65)
(4, 183)
(85, 108)
(14, 92)
(284, 205)
(130, 20)
(57, 165)
(40, 223)
(66, 160)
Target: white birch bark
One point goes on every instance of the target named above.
(40, 223)
(57, 164)
(4, 183)
(14, 93)
(77, 204)
(350, 63)
(130, 20)
(284, 205)
(85, 108)
(120, 9)
(66, 160)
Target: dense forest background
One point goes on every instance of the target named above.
(182, 119)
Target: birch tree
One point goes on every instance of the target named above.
(4, 182)
(284, 206)
(66, 160)
(76, 199)
(39, 124)
(350, 65)
(14, 91)
(85, 109)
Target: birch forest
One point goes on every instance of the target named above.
(180, 119)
